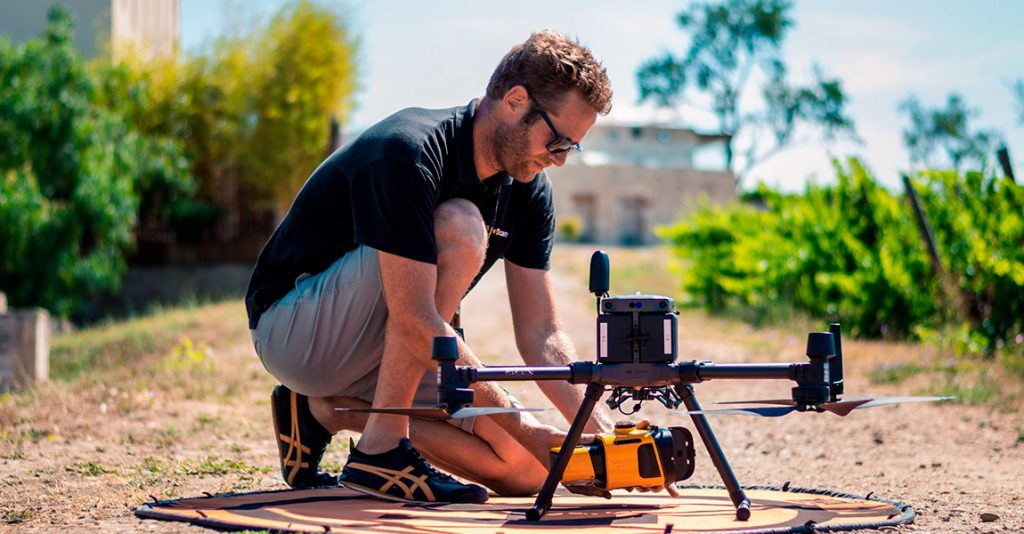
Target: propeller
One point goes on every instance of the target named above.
(440, 414)
(840, 407)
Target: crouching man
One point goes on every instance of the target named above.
(371, 261)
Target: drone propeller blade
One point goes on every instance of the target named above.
(843, 407)
(436, 413)
(882, 401)
(474, 412)
(780, 402)
(422, 412)
(762, 412)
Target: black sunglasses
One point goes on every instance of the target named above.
(560, 143)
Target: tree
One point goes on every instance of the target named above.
(254, 109)
(947, 130)
(306, 75)
(70, 170)
(729, 42)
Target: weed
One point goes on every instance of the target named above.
(972, 393)
(89, 469)
(214, 466)
(167, 437)
(35, 434)
(1020, 436)
(204, 420)
(895, 373)
(330, 466)
(12, 517)
(236, 448)
(153, 465)
(16, 454)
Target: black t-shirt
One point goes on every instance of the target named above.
(381, 191)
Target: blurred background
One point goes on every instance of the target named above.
(828, 158)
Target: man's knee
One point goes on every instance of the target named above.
(458, 224)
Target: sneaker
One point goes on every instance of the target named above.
(401, 474)
(301, 440)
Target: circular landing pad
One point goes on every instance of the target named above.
(698, 509)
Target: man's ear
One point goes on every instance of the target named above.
(516, 101)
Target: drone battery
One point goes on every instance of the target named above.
(613, 333)
(637, 328)
(661, 344)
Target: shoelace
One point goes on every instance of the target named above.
(424, 464)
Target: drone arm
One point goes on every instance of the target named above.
(750, 371)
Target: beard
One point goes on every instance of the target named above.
(512, 149)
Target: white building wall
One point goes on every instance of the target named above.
(147, 27)
(631, 179)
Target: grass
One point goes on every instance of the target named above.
(133, 343)
(89, 469)
(894, 374)
(13, 517)
(220, 466)
(970, 380)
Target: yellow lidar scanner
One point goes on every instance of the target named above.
(632, 457)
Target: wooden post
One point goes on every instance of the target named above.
(1003, 154)
(922, 225)
(950, 290)
(24, 345)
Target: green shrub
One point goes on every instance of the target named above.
(70, 171)
(852, 252)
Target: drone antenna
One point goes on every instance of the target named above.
(599, 276)
(836, 366)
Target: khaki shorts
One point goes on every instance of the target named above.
(326, 336)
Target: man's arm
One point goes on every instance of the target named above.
(541, 340)
(414, 318)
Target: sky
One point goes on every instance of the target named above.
(440, 53)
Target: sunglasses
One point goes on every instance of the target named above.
(560, 144)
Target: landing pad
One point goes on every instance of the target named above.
(698, 509)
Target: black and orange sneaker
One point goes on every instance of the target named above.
(401, 474)
(301, 440)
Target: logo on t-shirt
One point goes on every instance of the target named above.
(496, 231)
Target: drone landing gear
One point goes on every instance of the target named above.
(700, 422)
(543, 502)
(592, 395)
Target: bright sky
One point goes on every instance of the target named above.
(440, 53)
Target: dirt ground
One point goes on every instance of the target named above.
(80, 455)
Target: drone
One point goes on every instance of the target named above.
(636, 360)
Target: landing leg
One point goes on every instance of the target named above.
(543, 502)
(739, 498)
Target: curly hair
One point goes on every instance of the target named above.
(550, 64)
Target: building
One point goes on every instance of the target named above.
(149, 28)
(631, 178)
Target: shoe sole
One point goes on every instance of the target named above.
(388, 497)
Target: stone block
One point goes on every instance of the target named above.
(24, 347)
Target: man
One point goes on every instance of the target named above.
(377, 250)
